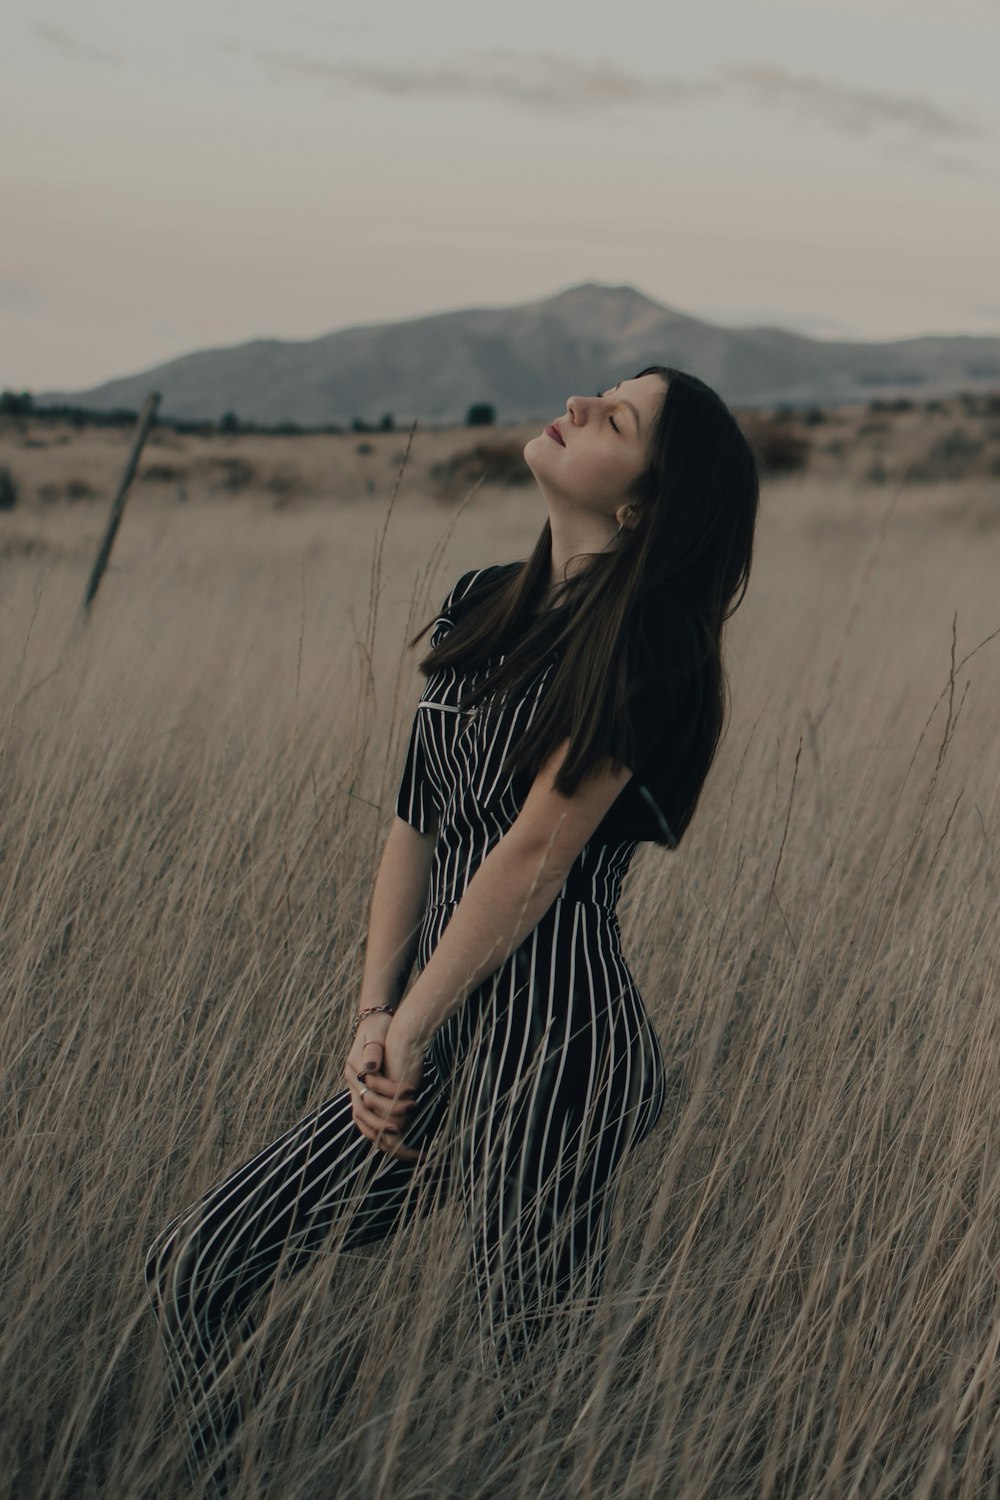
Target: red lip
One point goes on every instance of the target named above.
(553, 432)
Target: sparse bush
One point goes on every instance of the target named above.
(230, 422)
(8, 490)
(387, 424)
(814, 416)
(284, 481)
(901, 403)
(501, 463)
(162, 473)
(779, 447)
(955, 455)
(71, 489)
(229, 474)
(12, 547)
(365, 448)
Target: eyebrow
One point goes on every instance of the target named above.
(631, 407)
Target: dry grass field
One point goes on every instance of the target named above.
(804, 1293)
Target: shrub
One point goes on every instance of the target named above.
(480, 414)
(901, 403)
(8, 490)
(230, 474)
(162, 473)
(79, 489)
(953, 456)
(501, 463)
(73, 489)
(779, 447)
(283, 482)
(16, 405)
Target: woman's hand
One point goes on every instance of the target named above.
(393, 1070)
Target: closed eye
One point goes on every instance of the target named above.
(613, 422)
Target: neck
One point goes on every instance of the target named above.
(574, 539)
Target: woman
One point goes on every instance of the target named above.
(572, 709)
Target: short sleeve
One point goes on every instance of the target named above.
(641, 811)
(463, 590)
(647, 793)
(414, 801)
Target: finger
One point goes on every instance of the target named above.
(387, 1094)
(376, 1083)
(392, 1147)
(366, 1125)
(379, 1115)
(389, 1086)
(403, 1152)
(387, 1141)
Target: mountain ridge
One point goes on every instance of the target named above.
(524, 359)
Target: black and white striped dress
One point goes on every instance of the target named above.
(536, 1088)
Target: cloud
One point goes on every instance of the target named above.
(558, 84)
(854, 110)
(71, 46)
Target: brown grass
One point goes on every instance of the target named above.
(802, 1298)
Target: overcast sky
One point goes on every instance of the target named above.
(194, 175)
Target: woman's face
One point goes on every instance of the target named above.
(606, 440)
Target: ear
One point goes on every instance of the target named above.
(626, 516)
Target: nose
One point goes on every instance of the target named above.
(577, 408)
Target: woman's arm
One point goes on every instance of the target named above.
(397, 907)
(510, 892)
(504, 901)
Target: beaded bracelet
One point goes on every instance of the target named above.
(369, 1011)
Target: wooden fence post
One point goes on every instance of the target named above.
(146, 417)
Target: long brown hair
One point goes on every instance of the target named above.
(644, 617)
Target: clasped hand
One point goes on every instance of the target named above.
(392, 1062)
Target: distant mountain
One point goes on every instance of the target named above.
(525, 360)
